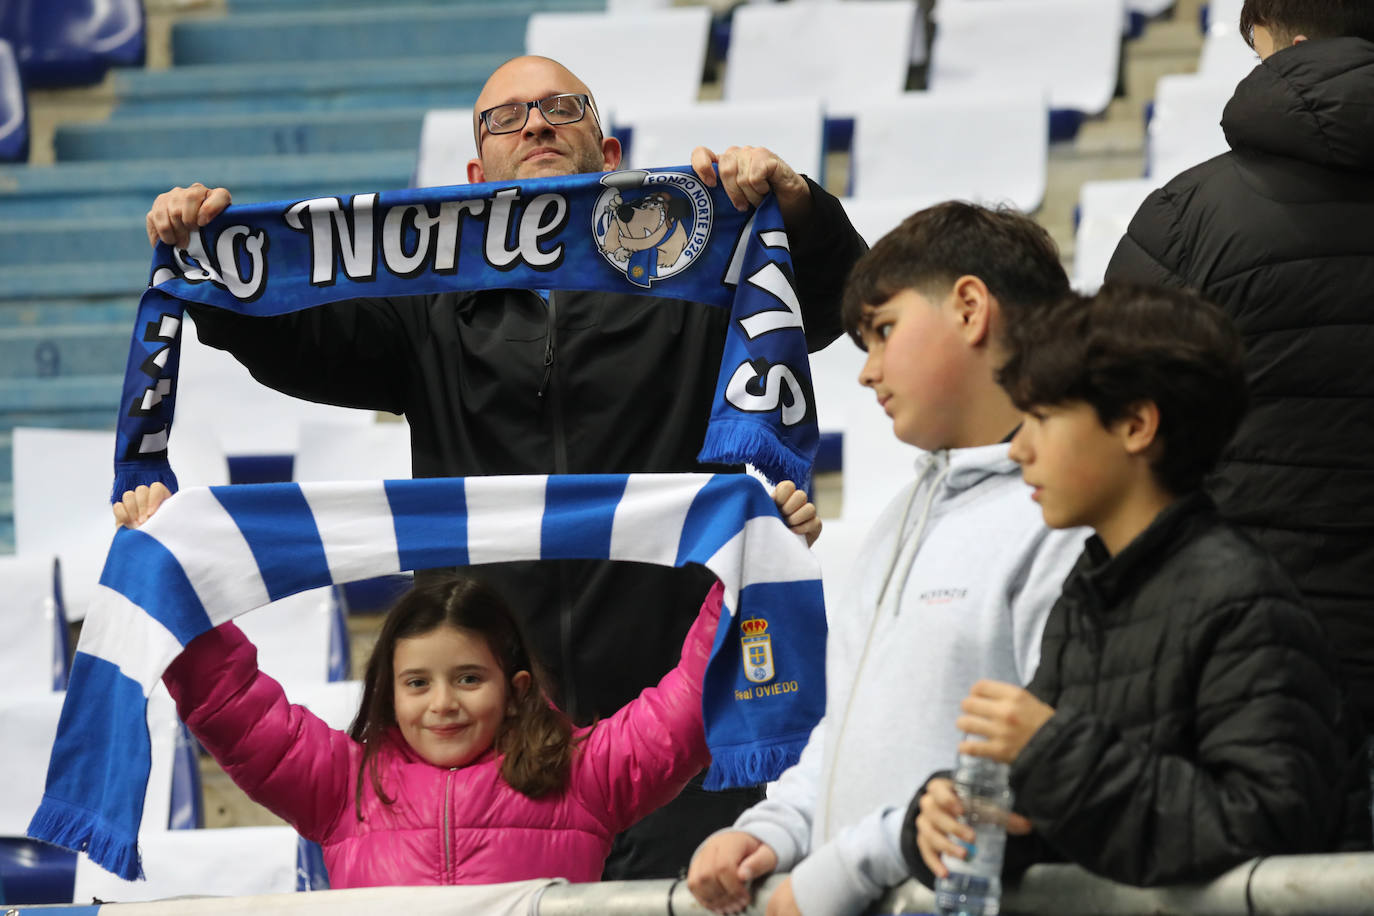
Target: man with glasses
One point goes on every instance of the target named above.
(530, 382)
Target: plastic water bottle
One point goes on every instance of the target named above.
(974, 885)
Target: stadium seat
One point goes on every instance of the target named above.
(1222, 16)
(106, 190)
(218, 89)
(227, 862)
(62, 506)
(876, 463)
(1105, 209)
(446, 145)
(971, 145)
(73, 42)
(875, 217)
(1004, 44)
(837, 549)
(245, 416)
(653, 57)
(256, 134)
(341, 36)
(662, 135)
(302, 638)
(1185, 127)
(841, 52)
(339, 451)
(1226, 58)
(14, 108)
(33, 625)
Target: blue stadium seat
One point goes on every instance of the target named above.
(33, 313)
(216, 89)
(260, 134)
(14, 109)
(124, 189)
(74, 349)
(38, 241)
(73, 42)
(350, 35)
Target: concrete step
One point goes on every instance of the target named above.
(114, 190)
(56, 350)
(430, 82)
(346, 36)
(67, 279)
(46, 312)
(256, 134)
(39, 241)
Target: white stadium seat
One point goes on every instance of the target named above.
(1186, 127)
(636, 57)
(1105, 210)
(841, 52)
(663, 135)
(1071, 48)
(988, 147)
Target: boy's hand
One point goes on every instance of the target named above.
(1006, 715)
(139, 505)
(797, 511)
(938, 830)
(783, 902)
(723, 868)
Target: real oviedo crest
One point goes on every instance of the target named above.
(651, 225)
(758, 650)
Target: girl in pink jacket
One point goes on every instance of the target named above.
(457, 769)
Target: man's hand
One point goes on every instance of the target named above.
(179, 212)
(748, 173)
(1004, 714)
(139, 504)
(783, 902)
(797, 511)
(723, 868)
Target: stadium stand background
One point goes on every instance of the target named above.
(294, 98)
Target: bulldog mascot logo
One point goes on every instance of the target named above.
(651, 225)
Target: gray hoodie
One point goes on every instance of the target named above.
(953, 584)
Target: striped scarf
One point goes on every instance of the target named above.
(209, 555)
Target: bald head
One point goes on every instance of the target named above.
(539, 148)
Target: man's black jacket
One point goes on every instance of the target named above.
(1198, 721)
(1280, 233)
(501, 382)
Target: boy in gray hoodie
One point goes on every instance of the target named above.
(955, 578)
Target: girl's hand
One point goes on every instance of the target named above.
(797, 511)
(139, 505)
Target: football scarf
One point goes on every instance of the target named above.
(660, 233)
(209, 555)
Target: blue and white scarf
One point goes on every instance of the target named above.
(624, 231)
(209, 555)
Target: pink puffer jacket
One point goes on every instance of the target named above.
(460, 826)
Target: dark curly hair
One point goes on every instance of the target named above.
(1130, 344)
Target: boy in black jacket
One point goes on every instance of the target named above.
(1185, 716)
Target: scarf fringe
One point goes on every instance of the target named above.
(130, 475)
(736, 767)
(77, 829)
(740, 442)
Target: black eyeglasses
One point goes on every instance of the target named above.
(567, 108)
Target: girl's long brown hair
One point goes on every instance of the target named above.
(535, 741)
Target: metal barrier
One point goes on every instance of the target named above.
(1322, 885)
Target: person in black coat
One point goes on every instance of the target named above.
(1186, 715)
(1279, 232)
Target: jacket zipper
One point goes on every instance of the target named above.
(560, 466)
(448, 846)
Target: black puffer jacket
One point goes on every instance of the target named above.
(1280, 233)
(501, 382)
(1197, 721)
